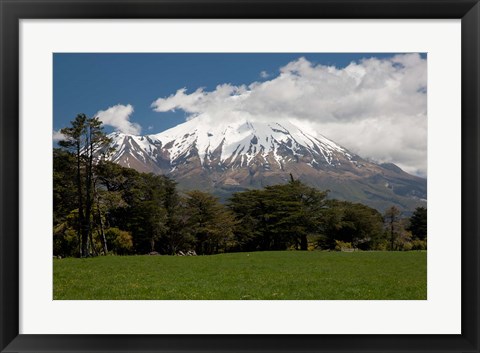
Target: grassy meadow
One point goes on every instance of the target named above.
(237, 276)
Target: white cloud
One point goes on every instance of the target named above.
(57, 136)
(118, 117)
(377, 108)
(264, 74)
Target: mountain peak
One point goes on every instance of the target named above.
(237, 142)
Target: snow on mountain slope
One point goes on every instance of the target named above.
(233, 144)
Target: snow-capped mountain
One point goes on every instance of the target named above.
(228, 146)
(226, 157)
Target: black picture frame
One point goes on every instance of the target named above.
(12, 11)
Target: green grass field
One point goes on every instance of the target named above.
(259, 275)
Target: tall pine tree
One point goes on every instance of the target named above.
(392, 217)
(418, 223)
(87, 141)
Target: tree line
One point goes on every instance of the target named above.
(103, 208)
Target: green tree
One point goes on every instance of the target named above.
(145, 215)
(279, 216)
(177, 236)
(97, 145)
(119, 241)
(74, 142)
(65, 238)
(392, 223)
(295, 210)
(418, 223)
(250, 230)
(64, 187)
(353, 223)
(135, 202)
(210, 222)
(105, 202)
(86, 141)
(331, 225)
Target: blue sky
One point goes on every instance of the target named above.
(88, 83)
(385, 90)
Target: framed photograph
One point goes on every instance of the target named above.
(239, 176)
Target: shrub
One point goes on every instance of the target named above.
(119, 241)
(342, 246)
(323, 242)
(418, 244)
(65, 241)
(382, 246)
(406, 246)
(403, 241)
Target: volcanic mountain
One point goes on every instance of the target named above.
(226, 157)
